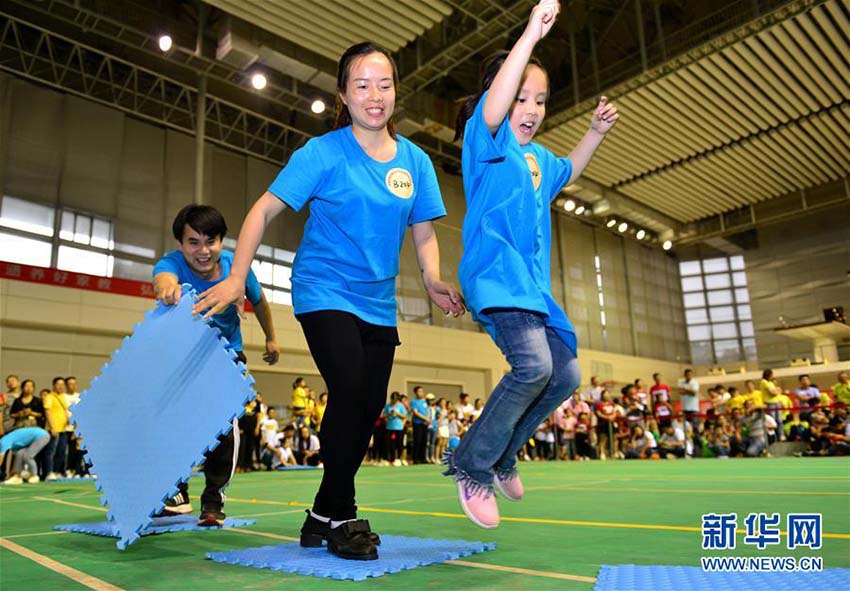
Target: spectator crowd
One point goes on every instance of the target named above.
(636, 421)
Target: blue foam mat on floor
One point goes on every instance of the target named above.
(396, 553)
(158, 525)
(626, 577)
(176, 382)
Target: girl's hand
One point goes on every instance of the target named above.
(542, 19)
(604, 117)
(218, 297)
(447, 298)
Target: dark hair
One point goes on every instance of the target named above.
(11, 375)
(805, 375)
(415, 388)
(43, 390)
(57, 379)
(486, 74)
(203, 219)
(25, 382)
(296, 382)
(342, 117)
(689, 370)
(655, 376)
(767, 374)
(70, 378)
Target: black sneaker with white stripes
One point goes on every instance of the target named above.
(177, 505)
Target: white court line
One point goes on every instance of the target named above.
(57, 567)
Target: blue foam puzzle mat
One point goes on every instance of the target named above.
(396, 553)
(285, 468)
(158, 525)
(626, 577)
(178, 388)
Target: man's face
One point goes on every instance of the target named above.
(72, 385)
(12, 383)
(59, 386)
(201, 252)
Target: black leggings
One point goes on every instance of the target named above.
(355, 359)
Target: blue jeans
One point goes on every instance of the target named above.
(431, 443)
(544, 373)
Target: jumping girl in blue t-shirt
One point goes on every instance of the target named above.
(510, 183)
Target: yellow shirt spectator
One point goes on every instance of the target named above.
(825, 400)
(56, 412)
(785, 403)
(769, 391)
(318, 415)
(756, 397)
(737, 401)
(841, 390)
(299, 397)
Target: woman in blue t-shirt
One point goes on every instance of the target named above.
(365, 185)
(510, 183)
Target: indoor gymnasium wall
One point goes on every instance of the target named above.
(795, 270)
(48, 331)
(64, 151)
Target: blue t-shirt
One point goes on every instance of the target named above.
(507, 234)
(432, 414)
(21, 438)
(422, 406)
(359, 211)
(228, 320)
(395, 423)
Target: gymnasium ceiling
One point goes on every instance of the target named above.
(726, 105)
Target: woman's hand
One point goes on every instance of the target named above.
(218, 297)
(447, 297)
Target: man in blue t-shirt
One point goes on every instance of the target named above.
(421, 422)
(396, 414)
(201, 262)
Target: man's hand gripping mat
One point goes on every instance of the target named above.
(158, 405)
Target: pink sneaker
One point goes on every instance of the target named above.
(480, 506)
(510, 487)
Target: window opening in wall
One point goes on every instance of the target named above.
(717, 310)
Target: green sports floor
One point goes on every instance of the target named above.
(576, 516)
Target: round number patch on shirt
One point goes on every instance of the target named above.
(400, 183)
(534, 167)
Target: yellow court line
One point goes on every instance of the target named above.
(43, 533)
(253, 532)
(64, 570)
(70, 504)
(610, 524)
(695, 490)
(522, 571)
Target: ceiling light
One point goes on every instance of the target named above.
(667, 245)
(580, 209)
(622, 227)
(641, 234)
(569, 205)
(611, 223)
(318, 106)
(259, 81)
(165, 42)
